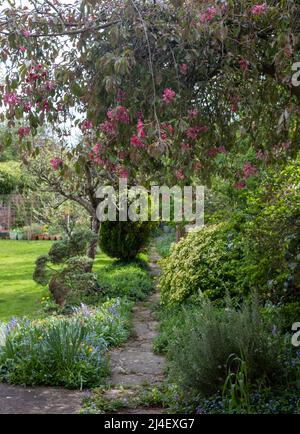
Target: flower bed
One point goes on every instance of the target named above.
(65, 351)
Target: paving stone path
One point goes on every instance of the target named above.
(132, 365)
(39, 400)
(135, 364)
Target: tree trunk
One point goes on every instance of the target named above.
(180, 232)
(92, 249)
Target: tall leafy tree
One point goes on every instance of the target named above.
(168, 91)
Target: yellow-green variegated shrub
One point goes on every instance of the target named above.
(205, 261)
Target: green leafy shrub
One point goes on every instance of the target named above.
(69, 283)
(272, 236)
(130, 280)
(170, 320)
(74, 245)
(289, 314)
(59, 251)
(41, 274)
(73, 281)
(285, 314)
(200, 349)
(82, 286)
(11, 177)
(64, 351)
(205, 261)
(124, 240)
(257, 248)
(75, 277)
(79, 264)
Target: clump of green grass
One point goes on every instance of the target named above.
(119, 279)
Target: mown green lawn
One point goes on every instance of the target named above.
(19, 294)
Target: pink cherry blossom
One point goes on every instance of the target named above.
(193, 113)
(86, 125)
(168, 95)
(183, 68)
(197, 165)
(108, 128)
(56, 163)
(222, 149)
(99, 161)
(140, 129)
(262, 155)
(122, 172)
(96, 159)
(239, 185)
(110, 115)
(122, 155)
(179, 174)
(26, 33)
(22, 49)
(168, 128)
(27, 107)
(119, 114)
(136, 142)
(208, 15)
(193, 132)
(244, 64)
(49, 86)
(249, 170)
(120, 95)
(234, 107)
(212, 152)
(45, 106)
(97, 148)
(259, 9)
(32, 76)
(185, 146)
(11, 99)
(23, 131)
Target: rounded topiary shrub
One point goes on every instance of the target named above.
(75, 244)
(205, 261)
(74, 281)
(124, 240)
